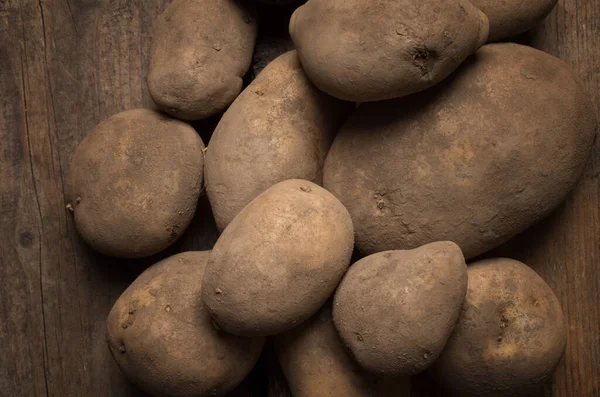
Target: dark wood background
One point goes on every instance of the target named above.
(65, 65)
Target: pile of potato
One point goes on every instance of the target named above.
(393, 137)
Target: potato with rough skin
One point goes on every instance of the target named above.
(395, 310)
(279, 128)
(360, 50)
(163, 339)
(510, 336)
(279, 260)
(316, 363)
(475, 160)
(201, 49)
(134, 182)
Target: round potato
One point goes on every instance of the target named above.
(360, 52)
(279, 128)
(134, 183)
(201, 49)
(476, 160)
(395, 310)
(279, 260)
(162, 337)
(315, 363)
(510, 335)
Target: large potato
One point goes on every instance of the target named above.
(395, 310)
(162, 337)
(279, 260)
(510, 335)
(279, 128)
(201, 49)
(315, 363)
(475, 161)
(134, 183)
(360, 50)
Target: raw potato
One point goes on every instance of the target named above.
(510, 336)
(315, 363)
(163, 339)
(134, 183)
(279, 128)
(476, 160)
(360, 51)
(279, 260)
(201, 49)
(395, 310)
(513, 17)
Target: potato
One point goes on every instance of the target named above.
(162, 337)
(395, 310)
(134, 183)
(315, 363)
(358, 51)
(510, 335)
(279, 128)
(475, 160)
(201, 49)
(279, 260)
(513, 17)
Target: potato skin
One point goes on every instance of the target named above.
(279, 260)
(200, 51)
(510, 336)
(279, 128)
(315, 363)
(476, 160)
(134, 183)
(360, 50)
(395, 310)
(162, 337)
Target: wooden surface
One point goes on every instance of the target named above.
(65, 65)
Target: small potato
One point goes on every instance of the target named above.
(134, 183)
(395, 310)
(201, 49)
(279, 128)
(510, 335)
(315, 363)
(279, 260)
(162, 337)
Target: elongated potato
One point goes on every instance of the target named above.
(477, 160)
(279, 128)
(201, 49)
(279, 260)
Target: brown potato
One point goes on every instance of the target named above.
(134, 183)
(315, 363)
(162, 337)
(395, 310)
(358, 51)
(279, 128)
(279, 260)
(201, 49)
(510, 335)
(475, 160)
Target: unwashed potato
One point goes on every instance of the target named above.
(510, 335)
(162, 337)
(513, 17)
(361, 51)
(201, 49)
(279, 260)
(134, 183)
(279, 128)
(395, 310)
(315, 363)
(475, 160)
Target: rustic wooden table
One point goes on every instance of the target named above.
(65, 66)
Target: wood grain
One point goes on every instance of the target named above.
(65, 65)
